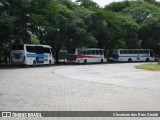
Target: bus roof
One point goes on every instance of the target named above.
(37, 45)
(131, 49)
(89, 48)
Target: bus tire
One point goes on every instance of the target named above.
(85, 61)
(147, 60)
(101, 60)
(34, 63)
(129, 60)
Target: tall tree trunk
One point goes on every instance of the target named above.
(57, 55)
(5, 54)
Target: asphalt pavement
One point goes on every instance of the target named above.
(73, 88)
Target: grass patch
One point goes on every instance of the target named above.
(148, 66)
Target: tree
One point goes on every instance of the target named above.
(12, 23)
(34, 39)
(129, 31)
(118, 6)
(88, 4)
(141, 11)
(65, 24)
(149, 33)
(144, 12)
(6, 29)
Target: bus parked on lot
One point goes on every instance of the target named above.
(133, 55)
(32, 54)
(88, 55)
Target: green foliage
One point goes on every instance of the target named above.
(34, 39)
(6, 27)
(65, 24)
(118, 6)
(146, 14)
(131, 37)
(149, 33)
(88, 4)
(141, 11)
(43, 17)
(73, 28)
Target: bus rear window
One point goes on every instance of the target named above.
(17, 47)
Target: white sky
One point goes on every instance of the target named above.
(102, 3)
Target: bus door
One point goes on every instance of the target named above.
(47, 55)
(40, 55)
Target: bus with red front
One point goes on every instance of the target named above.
(88, 55)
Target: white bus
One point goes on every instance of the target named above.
(133, 55)
(88, 55)
(32, 54)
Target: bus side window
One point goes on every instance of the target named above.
(130, 51)
(146, 52)
(125, 52)
(30, 49)
(121, 52)
(93, 52)
(135, 52)
(84, 52)
(141, 52)
(97, 52)
(88, 52)
(39, 50)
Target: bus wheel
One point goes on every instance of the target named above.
(129, 60)
(50, 63)
(147, 60)
(101, 60)
(34, 63)
(85, 62)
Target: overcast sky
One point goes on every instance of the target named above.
(102, 3)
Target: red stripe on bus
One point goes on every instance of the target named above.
(82, 56)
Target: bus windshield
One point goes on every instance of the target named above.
(17, 47)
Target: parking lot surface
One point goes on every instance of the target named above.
(123, 74)
(58, 88)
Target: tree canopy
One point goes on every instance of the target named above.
(65, 24)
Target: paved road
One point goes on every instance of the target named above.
(123, 74)
(42, 89)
